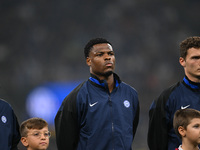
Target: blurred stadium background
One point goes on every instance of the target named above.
(42, 41)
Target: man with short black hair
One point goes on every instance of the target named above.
(101, 113)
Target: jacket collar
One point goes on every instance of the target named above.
(191, 84)
(103, 83)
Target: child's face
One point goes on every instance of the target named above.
(193, 131)
(36, 139)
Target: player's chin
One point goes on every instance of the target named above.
(108, 69)
(108, 73)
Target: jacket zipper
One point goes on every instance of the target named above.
(112, 124)
(111, 114)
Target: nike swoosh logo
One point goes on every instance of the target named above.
(91, 105)
(184, 107)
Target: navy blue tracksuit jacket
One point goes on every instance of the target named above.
(91, 118)
(161, 135)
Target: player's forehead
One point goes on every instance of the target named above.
(102, 47)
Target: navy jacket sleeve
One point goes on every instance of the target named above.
(157, 138)
(136, 120)
(157, 131)
(66, 123)
(10, 135)
(16, 134)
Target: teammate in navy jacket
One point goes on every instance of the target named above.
(9, 127)
(185, 94)
(101, 113)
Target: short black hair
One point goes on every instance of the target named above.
(93, 42)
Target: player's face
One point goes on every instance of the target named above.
(36, 139)
(191, 64)
(193, 131)
(101, 60)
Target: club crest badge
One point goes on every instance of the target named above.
(126, 103)
(3, 119)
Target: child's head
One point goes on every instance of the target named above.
(35, 134)
(183, 118)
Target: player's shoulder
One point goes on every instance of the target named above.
(168, 91)
(170, 88)
(128, 87)
(5, 105)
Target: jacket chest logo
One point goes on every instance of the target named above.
(91, 105)
(3, 119)
(126, 103)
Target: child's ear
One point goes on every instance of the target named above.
(181, 131)
(24, 141)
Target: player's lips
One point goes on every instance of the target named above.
(109, 63)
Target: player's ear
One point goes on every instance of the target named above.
(24, 141)
(88, 61)
(181, 131)
(182, 61)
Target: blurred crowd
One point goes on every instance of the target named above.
(43, 41)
